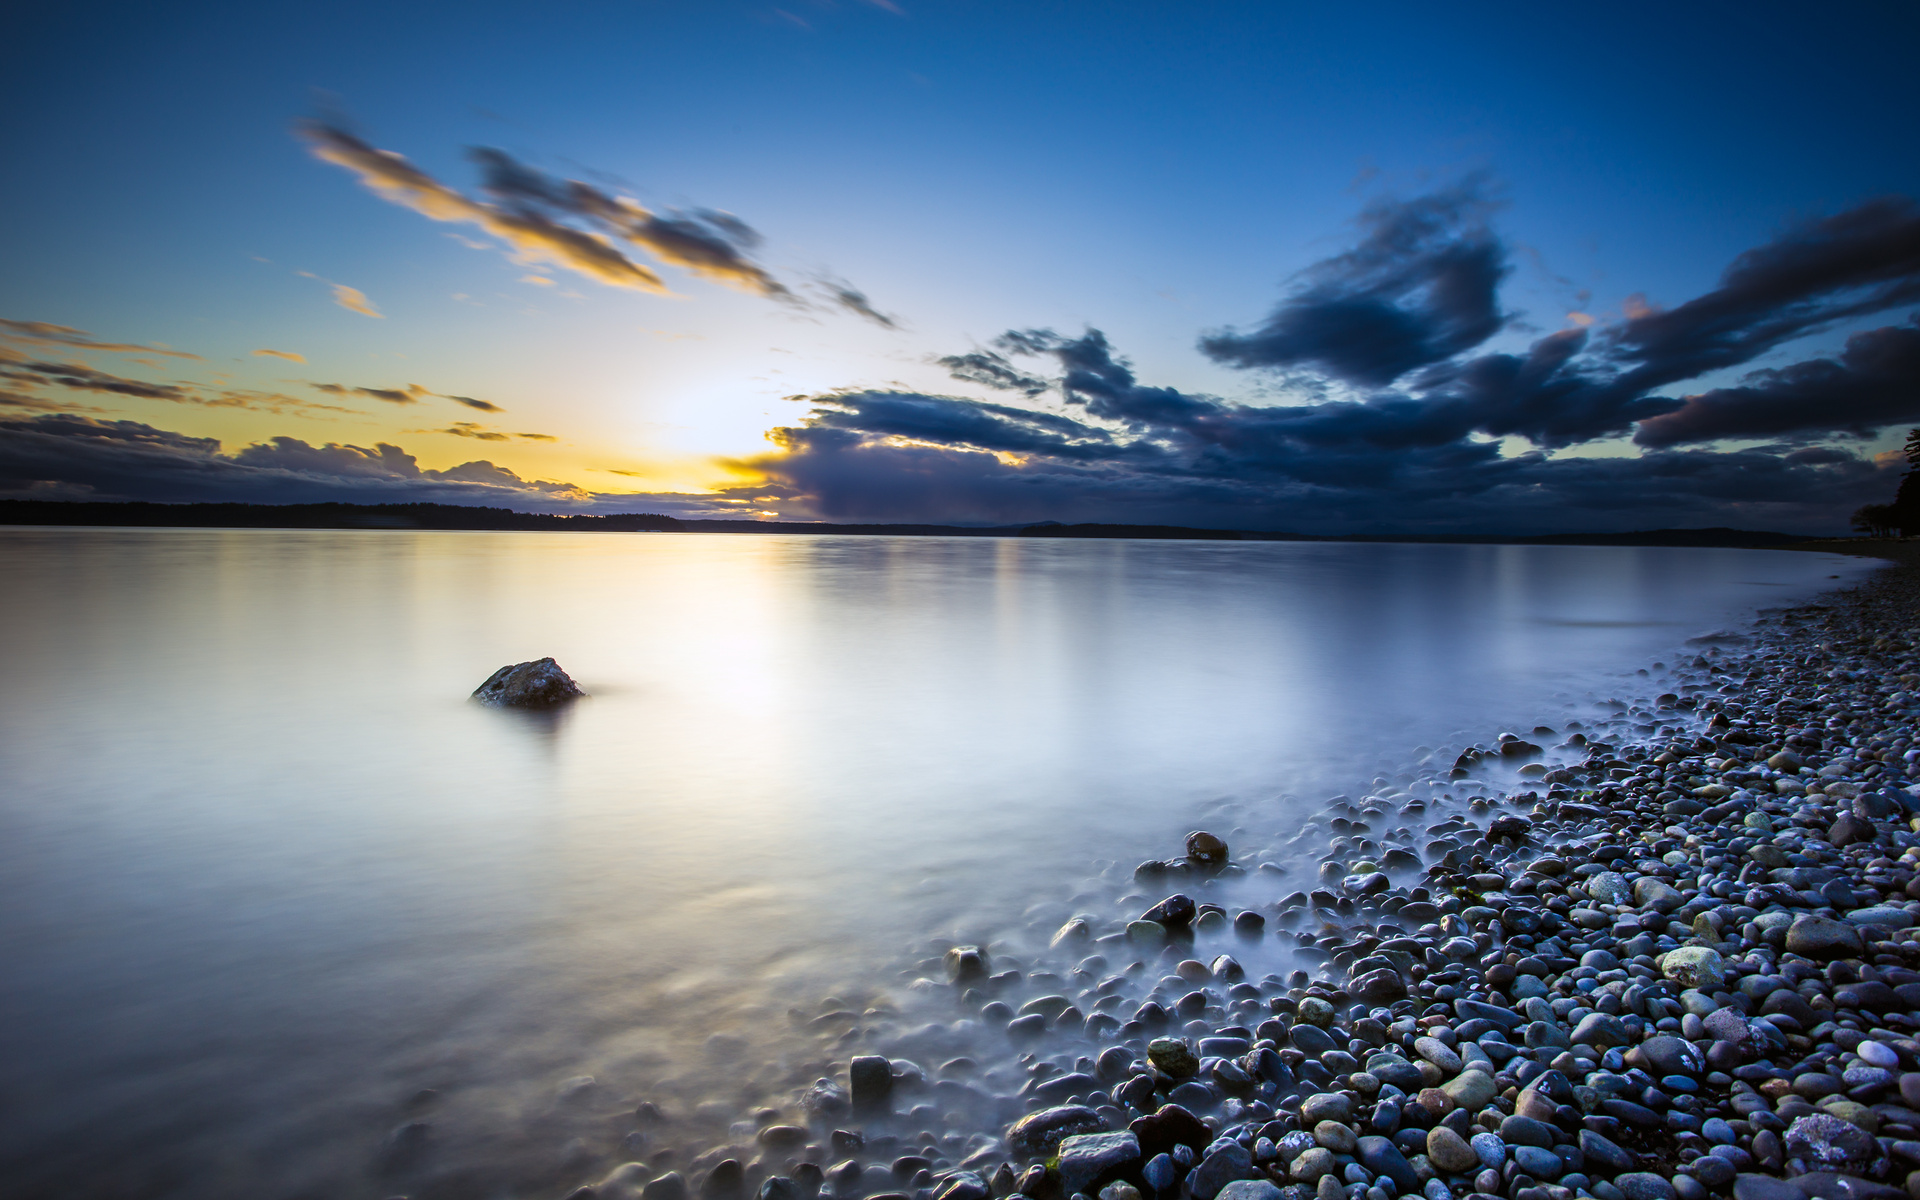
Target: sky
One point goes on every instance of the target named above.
(1386, 268)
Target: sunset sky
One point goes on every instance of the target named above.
(1326, 268)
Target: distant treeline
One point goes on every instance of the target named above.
(457, 516)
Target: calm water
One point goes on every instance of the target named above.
(264, 875)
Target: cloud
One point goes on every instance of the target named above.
(1421, 287)
(855, 301)
(412, 393)
(289, 355)
(910, 456)
(1427, 451)
(355, 300)
(1408, 305)
(467, 429)
(530, 234)
(409, 394)
(129, 460)
(1815, 274)
(84, 378)
(48, 334)
(1874, 383)
(540, 217)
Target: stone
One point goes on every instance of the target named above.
(1310, 1166)
(1878, 1054)
(1448, 1151)
(1175, 912)
(1225, 1162)
(1380, 1156)
(1695, 967)
(966, 964)
(1438, 1053)
(1849, 828)
(1172, 1057)
(1644, 1185)
(1665, 1055)
(537, 684)
(1075, 930)
(1828, 1142)
(870, 1080)
(1206, 850)
(1472, 1090)
(963, 1185)
(1172, 1126)
(1379, 988)
(1885, 915)
(1601, 1030)
(1491, 1151)
(671, 1186)
(1326, 1106)
(1037, 1135)
(1609, 887)
(1525, 1131)
(1161, 1175)
(1249, 1189)
(1335, 1137)
(728, 1178)
(1089, 1160)
(1814, 936)
(1657, 895)
(1764, 1187)
(1311, 1040)
(1149, 935)
(1606, 1155)
(1541, 1164)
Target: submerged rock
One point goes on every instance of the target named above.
(537, 684)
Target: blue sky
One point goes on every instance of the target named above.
(1153, 173)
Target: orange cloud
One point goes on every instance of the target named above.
(355, 300)
(534, 236)
(289, 355)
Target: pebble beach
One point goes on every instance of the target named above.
(1666, 954)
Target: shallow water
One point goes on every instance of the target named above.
(265, 875)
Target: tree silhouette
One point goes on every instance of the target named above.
(1874, 520)
(1905, 509)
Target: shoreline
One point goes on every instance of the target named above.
(1710, 1071)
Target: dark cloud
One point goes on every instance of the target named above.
(855, 301)
(87, 379)
(470, 402)
(1862, 261)
(1874, 383)
(78, 456)
(993, 370)
(1427, 453)
(34, 374)
(1421, 287)
(467, 429)
(1419, 291)
(903, 456)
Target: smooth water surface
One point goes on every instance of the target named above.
(265, 874)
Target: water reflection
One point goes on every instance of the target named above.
(265, 874)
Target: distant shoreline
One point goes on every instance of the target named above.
(143, 514)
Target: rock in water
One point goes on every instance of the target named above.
(537, 684)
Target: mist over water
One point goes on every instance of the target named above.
(265, 874)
